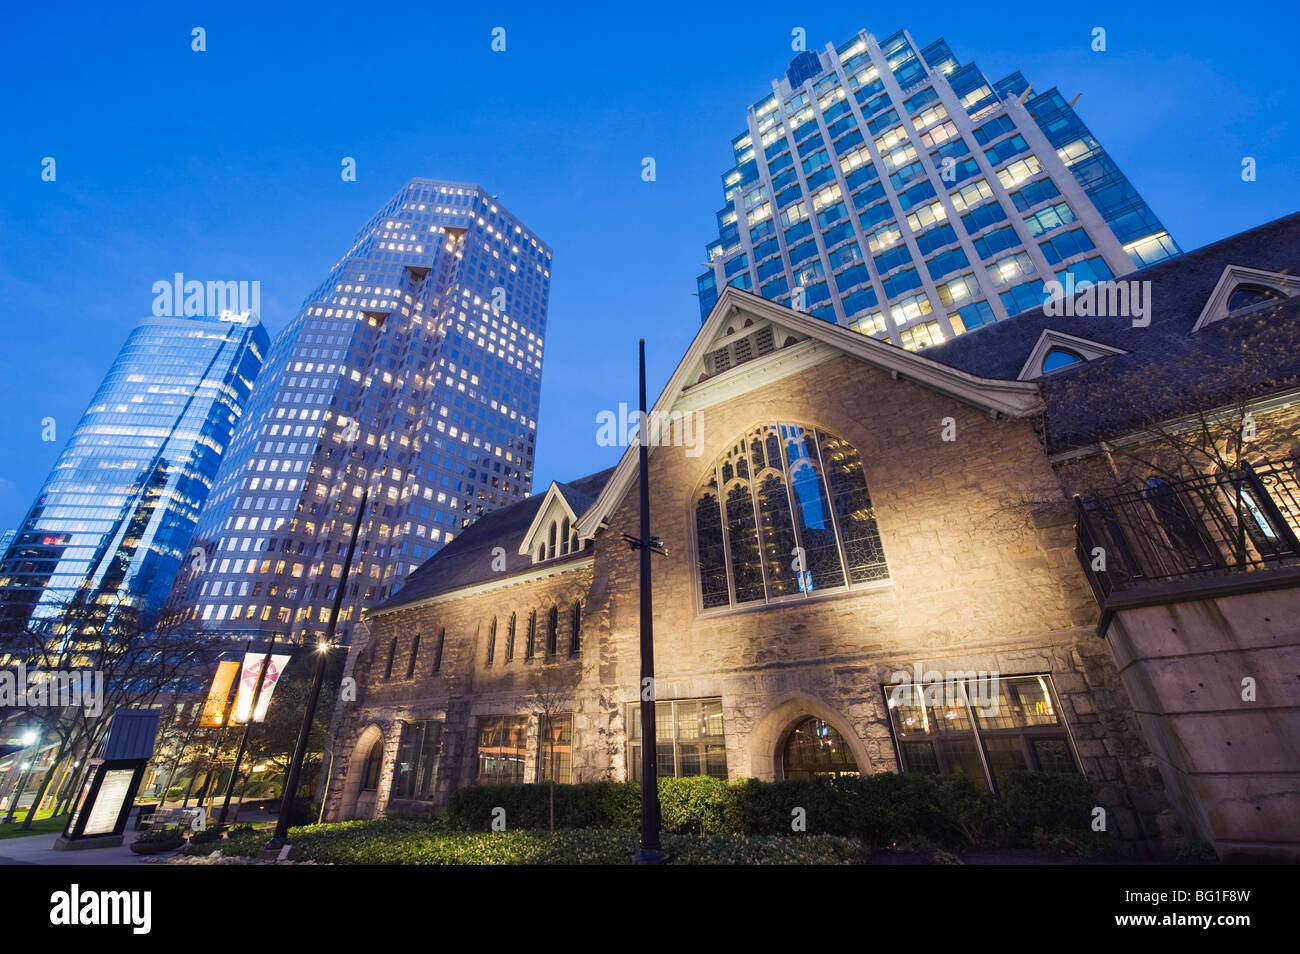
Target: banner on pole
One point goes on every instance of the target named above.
(253, 664)
(214, 707)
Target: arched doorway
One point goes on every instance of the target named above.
(813, 748)
(364, 771)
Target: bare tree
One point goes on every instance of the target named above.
(133, 667)
(1192, 413)
(551, 692)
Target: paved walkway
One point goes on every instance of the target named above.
(39, 850)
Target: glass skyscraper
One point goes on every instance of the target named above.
(112, 521)
(890, 189)
(410, 379)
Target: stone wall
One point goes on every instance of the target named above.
(978, 535)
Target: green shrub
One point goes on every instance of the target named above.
(883, 810)
(409, 843)
(1052, 801)
(585, 805)
(693, 806)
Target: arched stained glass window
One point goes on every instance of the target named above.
(813, 748)
(709, 545)
(785, 513)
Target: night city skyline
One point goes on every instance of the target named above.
(209, 173)
(664, 435)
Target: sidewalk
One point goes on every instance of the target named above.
(39, 850)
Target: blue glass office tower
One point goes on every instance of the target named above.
(112, 521)
(891, 189)
(409, 379)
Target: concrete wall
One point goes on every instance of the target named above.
(1215, 684)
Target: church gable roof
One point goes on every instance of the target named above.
(470, 558)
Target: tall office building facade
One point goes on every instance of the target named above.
(410, 381)
(888, 188)
(110, 526)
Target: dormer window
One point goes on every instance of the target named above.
(1248, 295)
(1059, 358)
(1056, 351)
(1241, 290)
(552, 533)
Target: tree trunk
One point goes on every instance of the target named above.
(45, 783)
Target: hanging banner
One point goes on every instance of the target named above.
(214, 707)
(248, 684)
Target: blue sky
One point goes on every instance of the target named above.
(225, 164)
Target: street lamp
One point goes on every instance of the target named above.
(650, 851)
(281, 837)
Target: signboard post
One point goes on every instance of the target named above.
(103, 805)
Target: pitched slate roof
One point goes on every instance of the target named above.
(467, 560)
(1180, 288)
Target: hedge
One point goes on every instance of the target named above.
(393, 842)
(881, 810)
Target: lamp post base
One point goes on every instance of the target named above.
(274, 850)
(651, 856)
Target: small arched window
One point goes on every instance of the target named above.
(437, 653)
(492, 641)
(573, 542)
(392, 652)
(553, 631)
(510, 638)
(785, 513)
(1248, 295)
(575, 629)
(1059, 358)
(550, 546)
(564, 536)
(415, 651)
(530, 638)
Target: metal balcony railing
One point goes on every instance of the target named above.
(1209, 525)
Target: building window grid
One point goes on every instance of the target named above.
(689, 734)
(965, 718)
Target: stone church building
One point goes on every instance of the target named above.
(846, 521)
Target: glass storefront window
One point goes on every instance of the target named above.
(980, 726)
(689, 739)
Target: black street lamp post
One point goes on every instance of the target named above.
(651, 852)
(281, 837)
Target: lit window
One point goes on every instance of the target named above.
(784, 514)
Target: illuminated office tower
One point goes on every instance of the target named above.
(900, 193)
(111, 523)
(409, 379)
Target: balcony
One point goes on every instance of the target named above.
(1199, 532)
